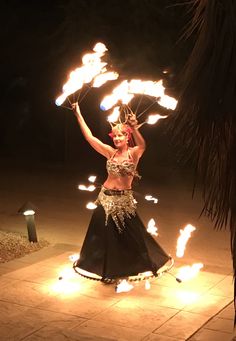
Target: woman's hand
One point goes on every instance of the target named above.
(132, 121)
(76, 109)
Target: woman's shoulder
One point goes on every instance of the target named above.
(111, 153)
(135, 152)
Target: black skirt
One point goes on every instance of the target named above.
(107, 253)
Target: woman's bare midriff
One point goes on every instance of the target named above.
(118, 182)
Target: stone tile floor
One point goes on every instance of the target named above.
(35, 304)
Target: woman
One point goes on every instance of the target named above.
(117, 244)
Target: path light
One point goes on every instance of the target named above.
(28, 210)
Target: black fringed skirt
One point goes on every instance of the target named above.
(109, 254)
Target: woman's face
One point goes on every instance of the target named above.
(119, 138)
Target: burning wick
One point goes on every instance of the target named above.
(152, 229)
(185, 234)
(151, 198)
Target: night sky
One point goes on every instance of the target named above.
(43, 40)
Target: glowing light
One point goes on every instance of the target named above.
(123, 286)
(152, 229)
(187, 297)
(114, 116)
(89, 188)
(167, 102)
(92, 67)
(29, 212)
(151, 198)
(185, 234)
(147, 284)
(188, 272)
(92, 178)
(126, 90)
(99, 80)
(74, 257)
(119, 94)
(100, 48)
(155, 89)
(91, 206)
(152, 119)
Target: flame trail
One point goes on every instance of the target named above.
(89, 188)
(123, 286)
(92, 178)
(188, 272)
(152, 229)
(185, 234)
(151, 198)
(93, 70)
(91, 206)
(152, 119)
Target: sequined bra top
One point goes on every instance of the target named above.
(123, 168)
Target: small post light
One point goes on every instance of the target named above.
(28, 210)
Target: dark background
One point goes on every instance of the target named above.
(43, 40)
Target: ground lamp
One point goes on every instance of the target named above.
(28, 210)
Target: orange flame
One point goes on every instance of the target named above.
(185, 234)
(92, 67)
(152, 229)
(123, 286)
(91, 206)
(89, 188)
(188, 272)
(152, 119)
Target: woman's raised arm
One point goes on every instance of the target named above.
(98, 145)
(140, 144)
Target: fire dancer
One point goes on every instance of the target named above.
(117, 244)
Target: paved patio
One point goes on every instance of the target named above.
(35, 304)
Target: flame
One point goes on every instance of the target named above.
(151, 198)
(126, 90)
(92, 67)
(155, 89)
(91, 206)
(99, 80)
(188, 272)
(92, 178)
(120, 93)
(147, 284)
(100, 48)
(185, 234)
(89, 188)
(123, 286)
(152, 229)
(114, 116)
(152, 119)
(167, 102)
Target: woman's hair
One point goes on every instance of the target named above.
(123, 128)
